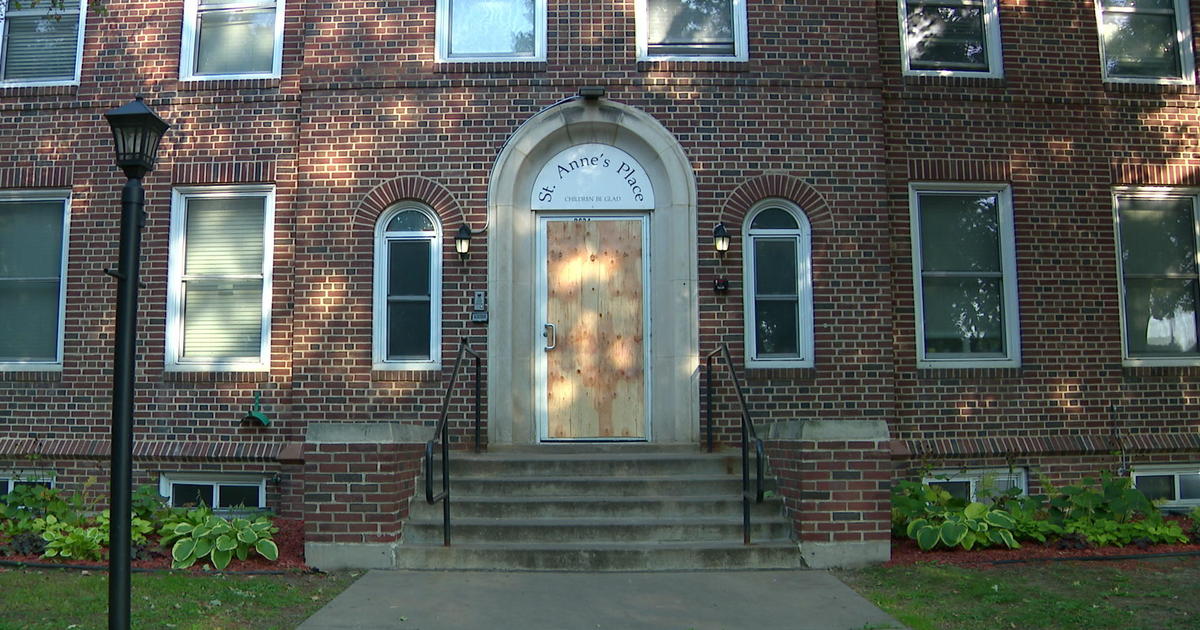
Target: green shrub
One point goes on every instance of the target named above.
(933, 517)
(198, 533)
(20, 508)
(67, 540)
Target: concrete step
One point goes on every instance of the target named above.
(641, 464)
(593, 530)
(601, 556)
(590, 507)
(592, 486)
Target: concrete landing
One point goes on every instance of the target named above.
(697, 600)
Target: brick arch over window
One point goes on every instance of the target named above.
(779, 186)
(399, 189)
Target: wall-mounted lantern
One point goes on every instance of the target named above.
(721, 244)
(462, 241)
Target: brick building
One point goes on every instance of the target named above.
(963, 234)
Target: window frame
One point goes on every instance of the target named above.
(442, 53)
(1183, 42)
(380, 283)
(993, 45)
(9, 477)
(245, 480)
(1008, 268)
(4, 13)
(65, 197)
(1175, 470)
(741, 44)
(803, 239)
(175, 278)
(189, 46)
(1153, 192)
(975, 477)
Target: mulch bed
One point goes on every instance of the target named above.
(289, 539)
(905, 551)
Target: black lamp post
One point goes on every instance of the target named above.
(136, 132)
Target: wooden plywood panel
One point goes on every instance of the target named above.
(596, 374)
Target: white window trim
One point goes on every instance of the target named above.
(1008, 266)
(1151, 192)
(7, 477)
(47, 195)
(442, 37)
(187, 56)
(43, 8)
(975, 477)
(379, 333)
(991, 35)
(1152, 470)
(214, 479)
(175, 261)
(804, 276)
(741, 45)
(1183, 42)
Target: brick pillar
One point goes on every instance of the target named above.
(835, 478)
(358, 481)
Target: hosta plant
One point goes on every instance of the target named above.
(200, 534)
(975, 525)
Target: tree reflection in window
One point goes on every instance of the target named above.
(492, 28)
(1159, 273)
(946, 35)
(962, 274)
(1140, 38)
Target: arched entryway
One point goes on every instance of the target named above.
(592, 280)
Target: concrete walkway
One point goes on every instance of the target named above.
(726, 600)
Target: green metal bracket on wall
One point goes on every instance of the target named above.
(255, 415)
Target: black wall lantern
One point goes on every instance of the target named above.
(136, 133)
(462, 241)
(721, 244)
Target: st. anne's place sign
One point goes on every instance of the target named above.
(592, 177)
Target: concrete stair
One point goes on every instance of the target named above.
(596, 507)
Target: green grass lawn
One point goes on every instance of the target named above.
(1161, 594)
(35, 599)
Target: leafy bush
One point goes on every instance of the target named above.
(67, 540)
(199, 533)
(933, 517)
(20, 508)
(148, 505)
(24, 544)
(1193, 525)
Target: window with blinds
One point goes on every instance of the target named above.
(692, 29)
(232, 38)
(41, 44)
(33, 237)
(220, 272)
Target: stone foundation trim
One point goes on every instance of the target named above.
(367, 433)
(338, 556)
(845, 555)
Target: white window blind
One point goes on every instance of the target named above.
(223, 279)
(40, 44)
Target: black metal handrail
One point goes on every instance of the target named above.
(442, 433)
(748, 435)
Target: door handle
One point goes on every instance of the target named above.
(551, 335)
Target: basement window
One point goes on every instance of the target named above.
(220, 492)
(979, 484)
(1169, 486)
(12, 479)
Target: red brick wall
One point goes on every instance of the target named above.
(358, 493)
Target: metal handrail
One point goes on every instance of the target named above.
(442, 433)
(748, 435)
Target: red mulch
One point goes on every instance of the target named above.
(905, 551)
(289, 539)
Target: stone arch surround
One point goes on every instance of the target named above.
(512, 339)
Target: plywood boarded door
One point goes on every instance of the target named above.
(594, 375)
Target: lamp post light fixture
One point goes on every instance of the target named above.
(462, 241)
(136, 133)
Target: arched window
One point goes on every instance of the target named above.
(408, 289)
(778, 286)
